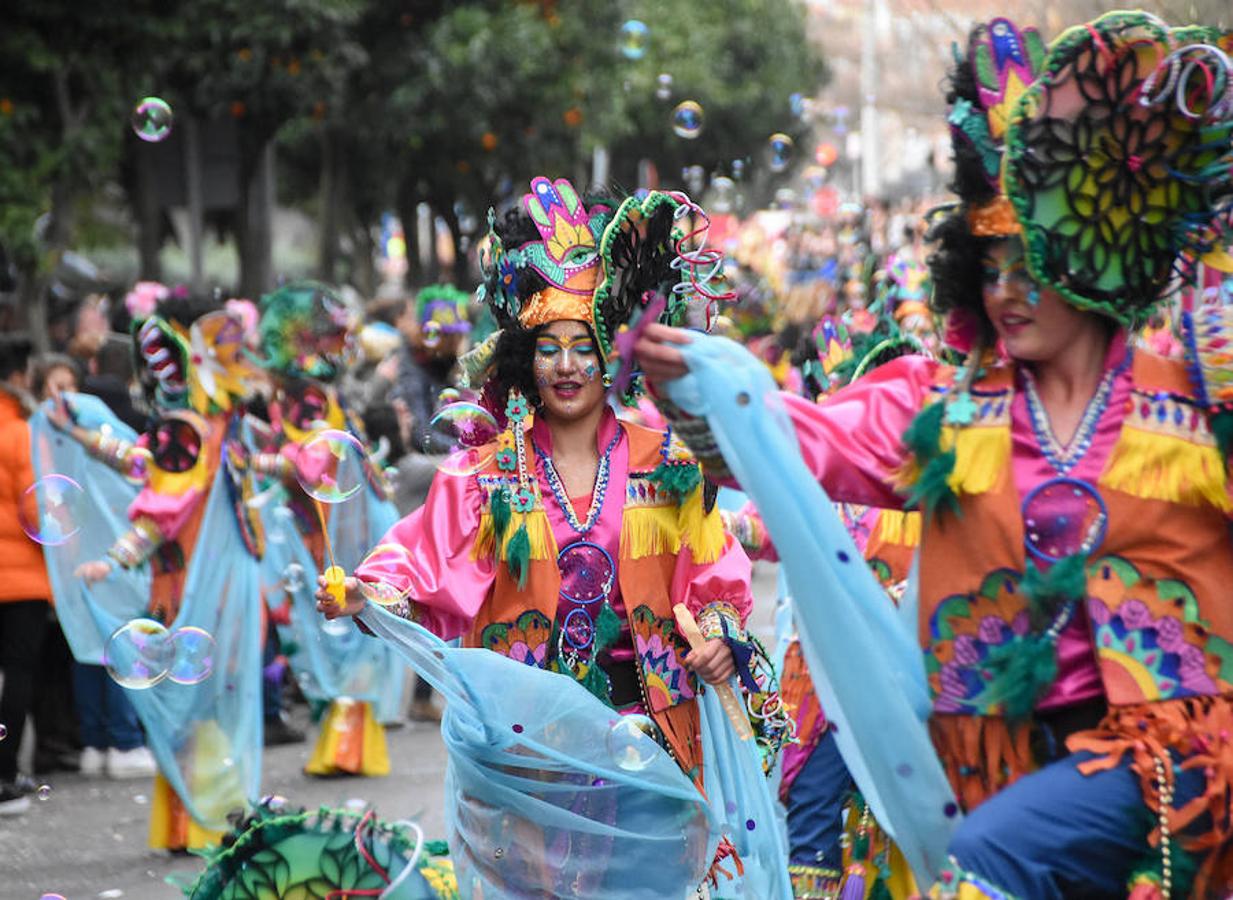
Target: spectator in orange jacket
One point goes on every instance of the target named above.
(24, 588)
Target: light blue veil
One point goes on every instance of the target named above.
(866, 665)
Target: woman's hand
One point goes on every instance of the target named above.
(353, 598)
(58, 413)
(95, 570)
(655, 353)
(712, 661)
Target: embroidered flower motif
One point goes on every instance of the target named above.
(661, 658)
(524, 640)
(1099, 612)
(505, 440)
(516, 408)
(967, 651)
(1135, 614)
(1170, 635)
(523, 500)
(507, 460)
(991, 630)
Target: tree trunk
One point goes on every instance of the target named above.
(254, 234)
(196, 205)
(407, 205)
(149, 221)
(328, 212)
(363, 270)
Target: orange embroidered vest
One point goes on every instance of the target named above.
(1157, 586)
(655, 530)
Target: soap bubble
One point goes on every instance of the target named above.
(797, 103)
(449, 395)
(282, 524)
(293, 578)
(723, 194)
(151, 119)
(432, 334)
(471, 428)
(43, 792)
(392, 558)
(4, 731)
(631, 743)
(52, 509)
(780, 148)
(687, 119)
(52, 897)
(193, 659)
(139, 654)
(330, 466)
(738, 169)
(635, 35)
(663, 86)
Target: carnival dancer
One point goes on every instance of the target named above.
(1075, 550)
(192, 465)
(357, 684)
(572, 537)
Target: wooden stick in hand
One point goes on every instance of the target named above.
(727, 697)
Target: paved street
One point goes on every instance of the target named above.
(88, 839)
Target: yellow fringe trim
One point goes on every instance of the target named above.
(900, 528)
(703, 531)
(171, 827)
(982, 455)
(538, 530)
(1162, 467)
(650, 531)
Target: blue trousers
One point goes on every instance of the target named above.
(107, 717)
(815, 807)
(1058, 834)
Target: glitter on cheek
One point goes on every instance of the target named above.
(590, 372)
(542, 380)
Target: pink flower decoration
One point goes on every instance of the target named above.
(991, 629)
(144, 298)
(1098, 612)
(1169, 634)
(966, 651)
(1135, 614)
(1021, 624)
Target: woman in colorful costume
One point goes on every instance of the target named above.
(1075, 553)
(573, 536)
(193, 464)
(304, 330)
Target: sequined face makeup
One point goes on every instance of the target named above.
(567, 369)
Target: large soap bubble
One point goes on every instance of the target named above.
(139, 654)
(330, 466)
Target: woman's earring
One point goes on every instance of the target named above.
(607, 380)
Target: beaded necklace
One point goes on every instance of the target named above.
(1064, 458)
(597, 494)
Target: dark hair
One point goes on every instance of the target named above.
(15, 353)
(43, 366)
(380, 421)
(955, 269)
(513, 361)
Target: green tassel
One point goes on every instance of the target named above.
(596, 682)
(500, 514)
(880, 891)
(678, 479)
(518, 556)
(924, 439)
(1222, 428)
(860, 847)
(1022, 670)
(1046, 591)
(607, 629)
